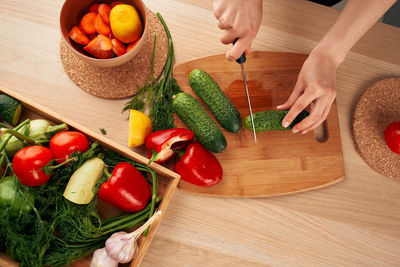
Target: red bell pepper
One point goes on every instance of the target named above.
(126, 189)
(160, 144)
(199, 166)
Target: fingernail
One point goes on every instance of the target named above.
(279, 106)
(285, 124)
(295, 130)
(304, 132)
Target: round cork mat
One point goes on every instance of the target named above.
(123, 80)
(377, 107)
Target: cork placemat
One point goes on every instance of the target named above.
(377, 107)
(123, 80)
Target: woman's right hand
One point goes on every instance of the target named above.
(238, 19)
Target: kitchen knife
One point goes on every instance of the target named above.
(241, 60)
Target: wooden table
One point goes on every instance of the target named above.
(353, 223)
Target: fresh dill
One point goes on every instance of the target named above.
(156, 95)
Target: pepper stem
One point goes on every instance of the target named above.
(153, 158)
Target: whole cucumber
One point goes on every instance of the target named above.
(192, 113)
(219, 104)
(271, 120)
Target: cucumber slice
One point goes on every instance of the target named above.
(10, 109)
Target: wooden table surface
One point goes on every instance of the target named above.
(353, 223)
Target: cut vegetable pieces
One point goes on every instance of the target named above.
(101, 26)
(10, 109)
(87, 24)
(78, 36)
(118, 47)
(104, 12)
(100, 47)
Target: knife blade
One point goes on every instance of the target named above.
(241, 60)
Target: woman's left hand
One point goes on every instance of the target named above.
(315, 86)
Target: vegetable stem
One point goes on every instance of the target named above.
(20, 136)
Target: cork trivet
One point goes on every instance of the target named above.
(377, 107)
(123, 80)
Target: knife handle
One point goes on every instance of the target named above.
(242, 58)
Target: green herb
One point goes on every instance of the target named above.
(156, 95)
(103, 131)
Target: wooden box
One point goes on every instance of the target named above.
(168, 180)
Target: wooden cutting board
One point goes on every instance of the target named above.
(281, 162)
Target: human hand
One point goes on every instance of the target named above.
(238, 19)
(316, 85)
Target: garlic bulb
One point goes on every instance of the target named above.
(122, 246)
(101, 259)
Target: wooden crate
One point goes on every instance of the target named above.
(168, 180)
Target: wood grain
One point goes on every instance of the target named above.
(267, 168)
(353, 223)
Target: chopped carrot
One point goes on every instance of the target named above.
(101, 26)
(132, 45)
(104, 11)
(118, 47)
(116, 3)
(87, 23)
(100, 47)
(94, 7)
(78, 36)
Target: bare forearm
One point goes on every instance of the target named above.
(357, 17)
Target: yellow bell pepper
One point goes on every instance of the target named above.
(139, 128)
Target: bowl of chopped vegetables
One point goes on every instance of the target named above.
(104, 33)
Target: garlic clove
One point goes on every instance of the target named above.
(101, 259)
(121, 247)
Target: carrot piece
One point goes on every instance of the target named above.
(116, 3)
(78, 36)
(100, 47)
(104, 11)
(94, 7)
(132, 45)
(101, 26)
(87, 23)
(118, 47)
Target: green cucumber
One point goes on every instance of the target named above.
(271, 120)
(219, 104)
(10, 109)
(192, 113)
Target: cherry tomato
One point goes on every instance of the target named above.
(65, 143)
(27, 164)
(392, 136)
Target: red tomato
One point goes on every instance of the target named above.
(27, 164)
(392, 136)
(65, 143)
